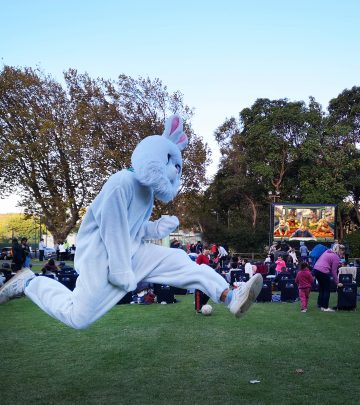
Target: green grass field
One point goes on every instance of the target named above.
(168, 354)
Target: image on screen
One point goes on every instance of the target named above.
(304, 222)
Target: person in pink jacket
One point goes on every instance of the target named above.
(279, 265)
(304, 280)
(326, 266)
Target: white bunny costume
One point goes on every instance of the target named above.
(111, 256)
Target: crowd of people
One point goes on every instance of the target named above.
(317, 268)
(21, 253)
(305, 268)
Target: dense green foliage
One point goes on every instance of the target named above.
(161, 354)
(60, 143)
(18, 226)
(353, 240)
(293, 150)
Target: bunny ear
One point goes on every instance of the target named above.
(174, 132)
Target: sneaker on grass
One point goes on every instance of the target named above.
(327, 309)
(15, 287)
(245, 295)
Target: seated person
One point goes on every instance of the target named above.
(64, 267)
(284, 274)
(280, 264)
(50, 268)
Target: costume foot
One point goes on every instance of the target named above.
(15, 287)
(245, 295)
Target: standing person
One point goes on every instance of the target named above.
(326, 266)
(214, 251)
(248, 268)
(72, 252)
(115, 227)
(223, 254)
(26, 249)
(304, 280)
(293, 256)
(304, 252)
(272, 250)
(201, 298)
(57, 250)
(42, 247)
(18, 255)
(199, 247)
(62, 251)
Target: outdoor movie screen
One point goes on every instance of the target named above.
(304, 222)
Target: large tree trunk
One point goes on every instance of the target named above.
(253, 209)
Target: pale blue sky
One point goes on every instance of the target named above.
(222, 55)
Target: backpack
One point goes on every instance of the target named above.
(317, 251)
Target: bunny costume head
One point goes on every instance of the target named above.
(157, 160)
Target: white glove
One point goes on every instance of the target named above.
(166, 225)
(126, 281)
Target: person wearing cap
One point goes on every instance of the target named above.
(325, 267)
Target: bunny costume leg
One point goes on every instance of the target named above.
(161, 265)
(94, 295)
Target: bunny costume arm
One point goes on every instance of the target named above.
(118, 245)
(119, 212)
(161, 228)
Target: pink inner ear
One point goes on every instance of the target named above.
(182, 139)
(174, 124)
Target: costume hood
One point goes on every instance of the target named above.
(157, 160)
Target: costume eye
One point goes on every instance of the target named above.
(178, 168)
(169, 156)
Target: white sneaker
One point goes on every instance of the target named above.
(327, 309)
(304, 310)
(16, 285)
(245, 295)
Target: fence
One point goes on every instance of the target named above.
(260, 256)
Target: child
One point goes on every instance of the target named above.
(116, 225)
(304, 251)
(304, 280)
(279, 265)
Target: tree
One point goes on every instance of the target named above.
(145, 104)
(19, 225)
(280, 146)
(60, 144)
(344, 122)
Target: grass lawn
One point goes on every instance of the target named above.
(168, 354)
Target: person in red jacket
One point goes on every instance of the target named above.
(203, 257)
(201, 298)
(304, 280)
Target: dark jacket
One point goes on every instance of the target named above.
(18, 253)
